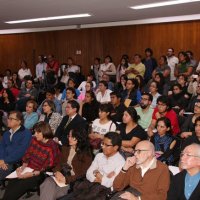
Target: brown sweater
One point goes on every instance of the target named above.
(153, 185)
(80, 163)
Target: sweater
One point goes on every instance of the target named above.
(152, 186)
(12, 151)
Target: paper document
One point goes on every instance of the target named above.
(14, 174)
(54, 178)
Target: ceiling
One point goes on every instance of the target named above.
(102, 11)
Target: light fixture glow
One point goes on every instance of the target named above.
(165, 3)
(48, 18)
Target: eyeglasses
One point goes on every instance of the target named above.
(188, 155)
(138, 151)
(11, 118)
(197, 105)
(106, 145)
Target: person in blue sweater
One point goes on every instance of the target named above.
(13, 144)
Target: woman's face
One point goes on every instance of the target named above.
(46, 108)
(181, 57)
(39, 136)
(5, 94)
(123, 61)
(161, 61)
(162, 128)
(126, 117)
(129, 85)
(23, 65)
(14, 76)
(107, 60)
(157, 78)
(29, 107)
(72, 140)
(71, 84)
(123, 81)
(176, 90)
(88, 98)
(103, 114)
(153, 87)
(181, 80)
(88, 87)
(197, 108)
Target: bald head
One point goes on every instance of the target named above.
(145, 144)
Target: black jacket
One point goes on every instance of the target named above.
(177, 186)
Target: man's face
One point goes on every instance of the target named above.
(114, 100)
(108, 148)
(144, 103)
(189, 158)
(69, 110)
(102, 87)
(162, 108)
(13, 122)
(142, 154)
(50, 58)
(29, 84)
(169, 52)
(9, 84)
(137, 59)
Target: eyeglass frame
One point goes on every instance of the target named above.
(106, 145)
(138, 151)
(188, 155)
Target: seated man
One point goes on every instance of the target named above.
(145, 111)
(144, 173)
(28, 92)
(71, 121)
(13, 144)
(118, 108)
(186, 184)
(103, 170)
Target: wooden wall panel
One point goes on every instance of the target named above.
(98, 42)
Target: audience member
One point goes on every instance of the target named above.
(122, 67)
(185, 185)
(103, 93)
(70, 121)
(30, 115)
(24, 70)
(144, 173)
(14, 144)
(145, 111)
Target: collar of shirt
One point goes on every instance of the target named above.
(72, 117)
(12, 132)
(151, 165)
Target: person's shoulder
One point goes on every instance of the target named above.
(162, 166)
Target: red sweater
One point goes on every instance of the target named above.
(41, 156)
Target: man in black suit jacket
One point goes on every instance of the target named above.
(71, 121)
(186, 184)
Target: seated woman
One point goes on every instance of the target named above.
(153, 89)
(49, 115)
(76, 156)
(30, 116)
(188, 126)
(88, 88)
(121, 86)
(90, 104)
(130, 131)
(101, 126)
(164, 141)
(177, 99)
(7, 101)
(42, 154)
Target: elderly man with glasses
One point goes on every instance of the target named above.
(186, 184)
(148, 176)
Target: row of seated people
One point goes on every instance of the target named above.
(148, 177)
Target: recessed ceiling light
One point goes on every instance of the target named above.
(160, 4)
(48, 18)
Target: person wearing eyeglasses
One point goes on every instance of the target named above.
(186, 184)
(148, 176)
(13, 144)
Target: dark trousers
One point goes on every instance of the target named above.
(17, 187)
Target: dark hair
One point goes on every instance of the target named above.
(124, 76)
(34, 104)
(149, 50)
(125, 56)
(171, 49)
(91, 83)
(117, 94)
(25, 63)
(135, 83)
(51, 91)
(177, 85)
(81, 136)
(197, 120)
(106, 107)
(125, 64)
(115, 138)
(104, 83)
(44, 128)
(165, 100)
(167, 123)
(141, 83)
(51, 104)
(149, 96)
(133, 113)
(164, 57)
(108, 56)
(182, 75)
(19, 116)
(157, 84)
(92, 94)
(98, 59)
(73, 91)
(138, 55)
(185, 55)
(11, 97)
(71, 79)
(74, 104)
(190, 52)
